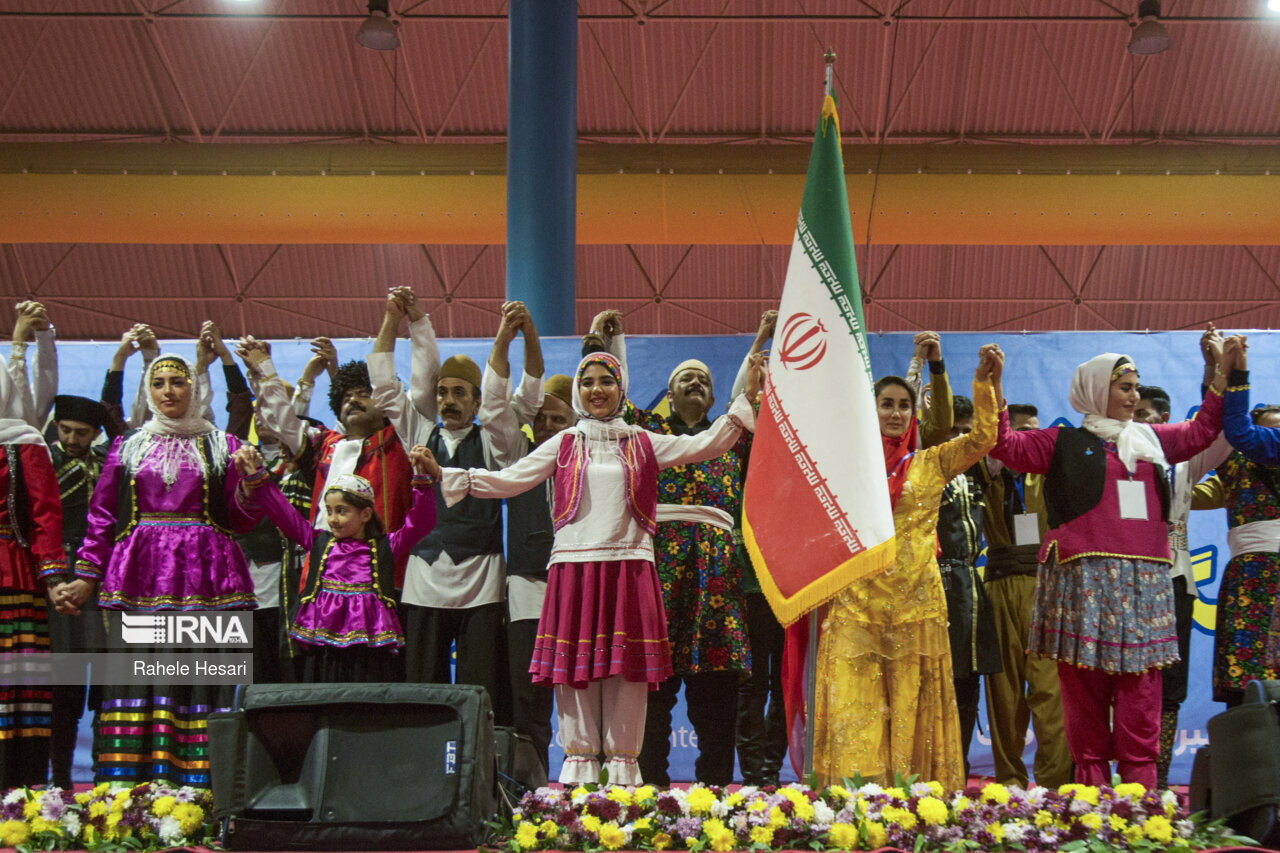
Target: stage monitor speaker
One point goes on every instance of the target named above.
(1244, 765)
(354, 766)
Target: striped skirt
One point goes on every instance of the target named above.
(599, 620)
(25, 709)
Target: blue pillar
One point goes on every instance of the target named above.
(542, 137)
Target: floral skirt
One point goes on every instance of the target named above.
(702, 594)
(1109, 613)
(1246, 602)
(601, 619)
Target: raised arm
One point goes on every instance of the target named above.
(764, 333)
(719, 439)
(457, 483)
(424, 356)
(938, 416)
(259, 493)
(275, 409)
(139, 413)
(44, 368)
(421, 517)
(1261, 444)
(498, 415)
(958, 455)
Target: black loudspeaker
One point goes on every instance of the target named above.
(354, 766)
(1244, 765)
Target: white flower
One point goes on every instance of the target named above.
(740, 824)
(1079, 806)
(1184, 828)
(1036, 795)
(748, 791)
(1168, 798)
(920, 789)
(170, 831)
(822, 813)
(70, 823)
(682, 798)
(1015, 833)
(870, 789)
(17, 795)
(720, 809)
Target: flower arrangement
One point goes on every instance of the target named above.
(915, 816)
(151, 816)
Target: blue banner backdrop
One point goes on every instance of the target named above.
(1038, 370)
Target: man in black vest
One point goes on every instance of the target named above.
(529, 530)
(455, 583)
(77, 462)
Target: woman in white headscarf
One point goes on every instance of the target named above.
(159, 537)
(31, 557)
(1103, 603)
(602, 637)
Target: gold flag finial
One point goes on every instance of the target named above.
(830, 56)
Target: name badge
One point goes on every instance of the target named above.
(1026, 529)
(1133, 499)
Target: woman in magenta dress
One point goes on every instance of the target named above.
(346, 619)
(159, 538)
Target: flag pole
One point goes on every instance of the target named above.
(815, 617)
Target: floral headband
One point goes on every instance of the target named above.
(1123, 366)
(352, 485)
(171, 363)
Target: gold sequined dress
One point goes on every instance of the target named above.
(885, 702)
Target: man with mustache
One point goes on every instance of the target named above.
(455, 583)
(697, 562)
(369, 447)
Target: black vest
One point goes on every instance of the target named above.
(384, 567)
(75, 488)
(529, 533)
(1077, 477)
(471, 527)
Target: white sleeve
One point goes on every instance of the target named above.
(275, 411)
(411, 426)
(139, 412)
(1209, 458)
(498, 419)
(457, 483)
(26, 407)
(424, 367)
(44, 384)
(302, 399)
(740, 381)
(708, 444)
(204, 396)
(527, 399)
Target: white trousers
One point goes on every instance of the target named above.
(605, 717)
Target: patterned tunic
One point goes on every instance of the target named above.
(698, 563)
(1250, 582)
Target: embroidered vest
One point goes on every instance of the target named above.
(640, 480)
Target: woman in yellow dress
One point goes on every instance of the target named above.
(885, 700)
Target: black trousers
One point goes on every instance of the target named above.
(532, 704)
(712, 700)
(480, 634)
(762, 720)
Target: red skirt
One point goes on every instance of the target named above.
(602, 619)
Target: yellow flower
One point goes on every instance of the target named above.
(734, 800)
(935, 788)
(1091, 821)
(901, 817)
(777, 818)
(997, 831)
(1132, 790)
(611, 837)
(841, 835)
(101, 789)
(189, 816)
(163, 805)
(1117, 823)
(619, 795)
(660, 841)
(97, 808)
(548, 829)
(1158, 829)
(932, 810)
(89, 835)
(764, 834)
(578, 792)
(690, 841)
(961, 803)
(839, 791)
(30, 809)
(896, 792)
(994, 792)
(1043, 819)
(877, 835)
(758, 805)
(641, 824)
(1133, 832)
(712, 824)
(722, 840)
(527, 836)
(82, 797)
(39, 825)
(591, 823)
(644, 792)
(13, 833)
(701, 800)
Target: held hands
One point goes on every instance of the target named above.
(1234, 354)
(990, 363)
(515, 319)
(248, 461)
(209, 346)
(757, 366)
(253, 351)
(607, 324)
(928, 346)
(1211, 346)
(31, 318)
(768, 323)
(324, 358)
(424, 463)
(68, 597)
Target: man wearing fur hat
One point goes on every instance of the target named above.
(697, 562)
(455, 583)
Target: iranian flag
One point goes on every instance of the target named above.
(816, 513)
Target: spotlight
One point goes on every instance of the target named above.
(377, 32)
(1149, 36)
(1273, 5)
